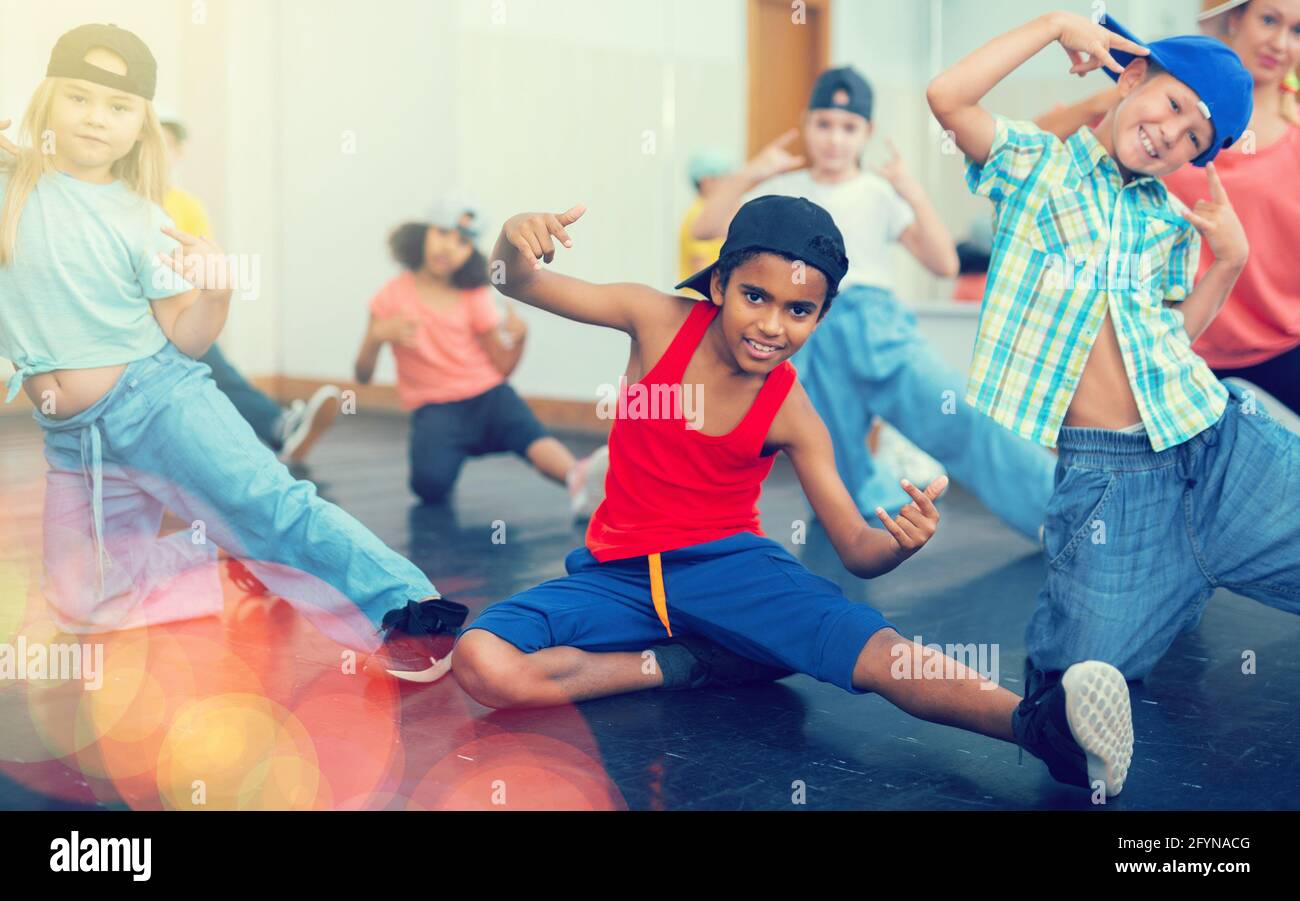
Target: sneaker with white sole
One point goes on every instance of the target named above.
(256, 604)
(586, 483)
(305, 421)
(897, 454)
(1080, 726)
(417, 641)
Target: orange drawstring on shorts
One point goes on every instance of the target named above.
(657, 593)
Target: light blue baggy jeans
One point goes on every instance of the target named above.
(1137, 540)
(164, 437)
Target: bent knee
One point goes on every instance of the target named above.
(876, 660)
(491, 670)
(431, 489)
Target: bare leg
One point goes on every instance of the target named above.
(551, 458)
(961, 697)
(497, 674)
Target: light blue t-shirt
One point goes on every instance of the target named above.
(77, 292)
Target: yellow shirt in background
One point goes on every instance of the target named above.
(695, 254)
(188, 212)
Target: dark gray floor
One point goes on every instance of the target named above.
(1208, 736)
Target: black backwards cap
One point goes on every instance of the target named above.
(68, 59)
(832, 81)
(785, 225)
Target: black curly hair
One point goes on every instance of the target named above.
(407, 245)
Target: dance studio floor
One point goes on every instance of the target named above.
(259, 714)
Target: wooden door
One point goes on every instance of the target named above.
(789, 46)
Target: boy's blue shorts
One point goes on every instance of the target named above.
(744, 592)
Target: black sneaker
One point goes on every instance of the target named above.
(693, 662)
(256, 605)
(417, 641)
(1081, 725)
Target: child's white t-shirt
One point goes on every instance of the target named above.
(868, 211)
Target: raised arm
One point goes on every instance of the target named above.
(193, 320)
(527, 241)
(1065, 121)
(1220, 228)
(927, 239)
(955, 94)
(866, 552)
(505, 346)
(5, 144)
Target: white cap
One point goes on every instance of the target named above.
(1219, 8)
(455, 212)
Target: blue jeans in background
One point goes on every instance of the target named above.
(262, 413)
(868, 359)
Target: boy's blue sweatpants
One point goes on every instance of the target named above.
(745, 592)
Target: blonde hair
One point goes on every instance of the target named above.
(143, 169)
(1218, 25)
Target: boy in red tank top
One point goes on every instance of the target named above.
(677, 587)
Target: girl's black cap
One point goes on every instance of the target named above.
(857, 96)
(786, 225)
(68, 59)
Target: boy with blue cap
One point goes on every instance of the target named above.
(1166, 477)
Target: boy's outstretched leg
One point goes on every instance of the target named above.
(497, 674)
(1080, 725)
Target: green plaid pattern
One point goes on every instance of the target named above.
(1072, 241)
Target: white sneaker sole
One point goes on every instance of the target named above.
(435, 672)
(319, 415)
(1101, 720)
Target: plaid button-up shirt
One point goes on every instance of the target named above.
(1072, 242)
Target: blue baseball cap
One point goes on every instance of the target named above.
(1210, 68)
(786, 225)
(709, 164)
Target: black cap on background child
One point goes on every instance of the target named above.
(789, 226)
(68, 59)
(842, 89)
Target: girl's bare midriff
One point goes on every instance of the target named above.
(64, 393)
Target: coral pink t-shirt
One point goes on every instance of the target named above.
(1261, 318)
(447, 362)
